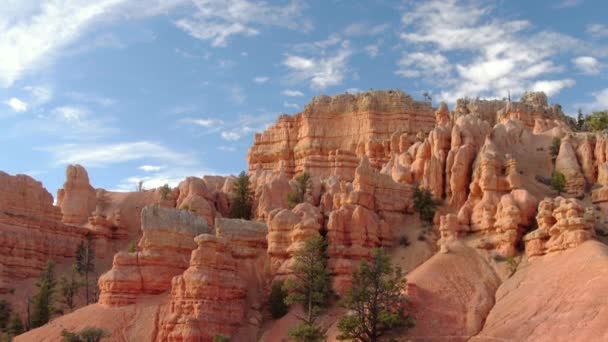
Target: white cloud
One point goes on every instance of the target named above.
(218, 20)
(464, 48)
(353, 90)
(587, 64)
(597, 30)
(261, 79)
(168, 175)
(568, 3)
(599, 102)
(227, 148)
(292, 93)
(100, 155)
(230, 135)
(236, 94)
(71, 113)
(151, 168)
(35, 32)
(373, 50)
(364, 29)
(552, 87)
(40, 94)
(291, 105)
(206, 122)
(16, 104)
(417, 64)
(321, 72)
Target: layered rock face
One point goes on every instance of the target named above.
(31, 231)
(563, 223)
(196, 197)
(209, 298)
(77, 198)
(163, 252)
(323, 137)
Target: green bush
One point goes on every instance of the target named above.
(221, 338)
(276, 301)
(132, 248)
(303, 183)
(554, 148)
(424, 204)
(165, 191)
(598, 121)
(558, 182)
(88, 334)
(5, 314)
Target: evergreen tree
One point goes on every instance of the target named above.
(375, 300)
(88, 334)
(85, 262)
(580, 120)
(43, 305)
(310, 286)
(68, 289)
(558, 182)
(597, 121)
(276, 301)
(303, 183)
(241, 197)
(556, 143)
(424, 204)
(15, 326)
(5, 314)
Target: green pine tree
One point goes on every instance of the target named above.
(241, 198)
(375, 300)
(310, 286)
(303, 184)
(43, 301)
(558, 182)
(424, 204)
(68, 289)
(85, 262)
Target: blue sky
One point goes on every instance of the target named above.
(161, 89)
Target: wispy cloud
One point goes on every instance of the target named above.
(261, 79)
(203, 122)
(598, 103)
(291, 105)
(16, 104)
(552, 87)
(218, 20)
(587, 64)
(597, 30)
(365, 29)
(321, 71)
(490, 62)
(151, 168)
(292, 93)
(100, 155)
(568, 4)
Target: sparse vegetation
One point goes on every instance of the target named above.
(5, 314)
(558, 182)
(424, 204)
(140, 186)
(598, 121)
(88, 334)
(68, 289)
(276, 301)
(404, 241)
(580, 121)
(554, 148)
(85, 262)
(43, 301)
(512, 264)
(376, 301)
(303, 183)
(15, 326)
(241, 198)
(221, 338)
(165, 191)
(132, 248)
(309, 286)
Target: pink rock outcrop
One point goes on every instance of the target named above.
(567, 163)
(31, 231)
(563, 223)
(197, 198)
(77, 198)
(360, 124)
(162, 253)
(209, 298)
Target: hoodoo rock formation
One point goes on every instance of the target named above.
(163, 252)
(505, 256)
